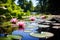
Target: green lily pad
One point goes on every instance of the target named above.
(14, 36)
(5, 38)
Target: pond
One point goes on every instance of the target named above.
(30, 28)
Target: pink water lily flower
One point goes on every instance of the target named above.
(32, 18)
(21, 25)
(43, 17)
(13, 20)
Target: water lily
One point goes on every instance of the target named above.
(21, 25)
(13, 20)
(43, 17)
(32, 18)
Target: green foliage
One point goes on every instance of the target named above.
(22, 3)
(26, 5)
(13, 10)
(7, 26)
(2, 18)
(42, 6)
(29, 6)
(28, 12)
(3, 1)
(8, 16)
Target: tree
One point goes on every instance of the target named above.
(3, 1)
(26, 5)
(22, 3)
(54, 7)
(43, 5)
(29, 6)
